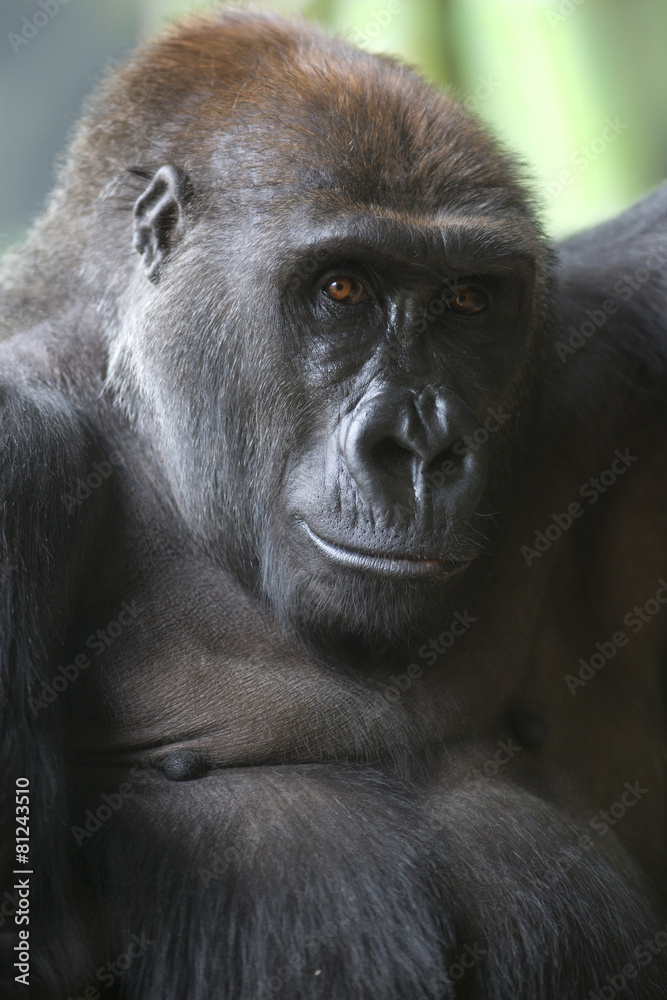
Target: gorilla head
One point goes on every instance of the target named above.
(277, 357)
(326, 336)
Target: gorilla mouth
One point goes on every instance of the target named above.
(387, 565)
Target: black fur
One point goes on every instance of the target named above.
(260, 768)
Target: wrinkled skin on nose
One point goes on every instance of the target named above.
(408, 448)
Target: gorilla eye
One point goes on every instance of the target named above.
(346, 290)
(467, 300)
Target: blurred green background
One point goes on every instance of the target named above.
(577, 87)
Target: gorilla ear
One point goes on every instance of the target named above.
(158, 217)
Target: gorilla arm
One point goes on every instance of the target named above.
(44, 543)
(339, 838)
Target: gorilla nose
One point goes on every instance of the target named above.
(409, 448)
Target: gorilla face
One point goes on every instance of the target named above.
(401, 354)
(347, 338)
(325, 338)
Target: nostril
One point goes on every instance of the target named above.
(391, 457)
(399, 452)
(448, 461)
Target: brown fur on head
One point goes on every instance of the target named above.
(244, 100)
(269, 147)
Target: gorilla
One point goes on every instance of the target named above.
(333, 551)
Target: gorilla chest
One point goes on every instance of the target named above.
(190, 678)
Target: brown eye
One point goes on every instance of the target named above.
(467, 300)
(346, 290)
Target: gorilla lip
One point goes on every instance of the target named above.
(390, 565)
